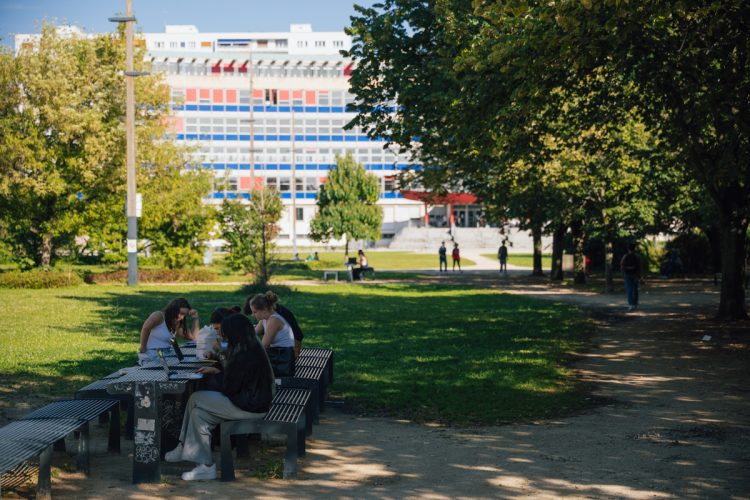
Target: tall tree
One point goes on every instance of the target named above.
(347, 204)
(62, 144)
(690, 61)
(250, 231)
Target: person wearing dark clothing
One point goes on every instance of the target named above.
(246, 391)
(502, 256)
(443, 253)
(296, 330)
(631, 270)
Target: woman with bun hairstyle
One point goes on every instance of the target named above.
(276, 331)
(245, 392)
(161, 327)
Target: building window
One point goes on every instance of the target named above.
(301, 43)
(320, 43)
(284, 184)
(281, 43)
(300, 214)
(172, 45)
(338, 43)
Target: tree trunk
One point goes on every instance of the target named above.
(609, 285)
(536, 234)
(579, 266)
(346, 247)
(558, 242)
(733, 228)
(46, 251)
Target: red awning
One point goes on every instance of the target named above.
(436, 199)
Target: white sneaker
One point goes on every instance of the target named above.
(200, 472)
(174, 455)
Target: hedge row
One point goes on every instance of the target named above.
(39, 279)
(155, 276)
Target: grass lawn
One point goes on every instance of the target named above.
(427, 352)
(523, 259)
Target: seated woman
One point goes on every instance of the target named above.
(161, 327)
(362, 260)
(208, 343)
(278, 337)
(247, 389)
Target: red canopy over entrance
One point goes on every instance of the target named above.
(436, 199)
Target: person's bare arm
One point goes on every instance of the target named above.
(273, 326)
(154, 320)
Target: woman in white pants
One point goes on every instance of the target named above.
(247, 386)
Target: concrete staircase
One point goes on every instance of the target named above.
(428, 239)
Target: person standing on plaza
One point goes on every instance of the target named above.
(502, 256)
(443, 253)
(456, 255)
(631, 270)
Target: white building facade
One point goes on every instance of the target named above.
(269, 109)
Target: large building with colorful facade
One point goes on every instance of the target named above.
(270, 109)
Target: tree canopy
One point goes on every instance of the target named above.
(62, 155)
(580, 111)
(347, 204)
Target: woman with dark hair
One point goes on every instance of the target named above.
(247, 387)
(208, 341)
(278, 334)
(161, 327)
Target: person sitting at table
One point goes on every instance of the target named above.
(161, 327)
(362, 260)
(247, 388)
(290, 318)
(208, 344)
(277, 333)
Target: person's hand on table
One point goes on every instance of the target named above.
(208, 370)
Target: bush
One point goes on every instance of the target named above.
(39, 279)
(155, 276)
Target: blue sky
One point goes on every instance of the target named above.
(24, 16)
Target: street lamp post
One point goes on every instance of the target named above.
(131, 207)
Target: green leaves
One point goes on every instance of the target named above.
(250, 230)
(347, 204)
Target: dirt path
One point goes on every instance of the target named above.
(671, 420)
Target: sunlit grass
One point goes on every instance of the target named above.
(427, 352)
(523, 259)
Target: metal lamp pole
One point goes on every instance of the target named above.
(131, 209)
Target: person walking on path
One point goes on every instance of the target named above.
(456, 255)
(443, 253)
(502, 256)
(631, 269)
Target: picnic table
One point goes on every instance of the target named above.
(148, 388)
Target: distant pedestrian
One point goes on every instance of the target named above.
(631, 270)
(443, 253)
(502, 256)
(456, 255)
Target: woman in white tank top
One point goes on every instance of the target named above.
(278, 337)
(162, 326)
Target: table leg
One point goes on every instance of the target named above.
(147, 435)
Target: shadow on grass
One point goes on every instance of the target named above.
(427, 352)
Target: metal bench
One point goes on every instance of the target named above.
(317, 353)
(36, 433)
(286, 418)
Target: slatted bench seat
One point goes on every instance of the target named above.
(35, 435)
(316, 375)
(98, 390)
(317, 352)
(282, 418)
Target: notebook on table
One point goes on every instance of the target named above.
(175, 375)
